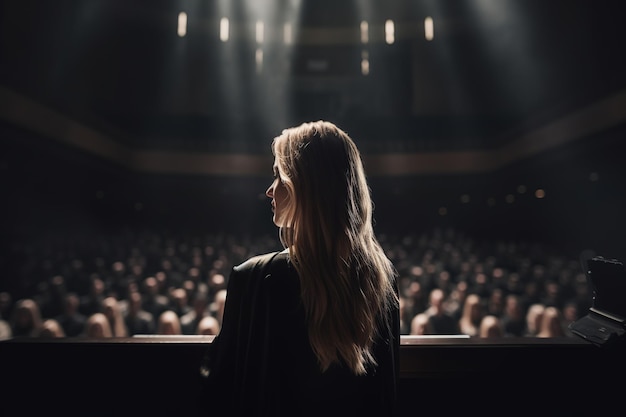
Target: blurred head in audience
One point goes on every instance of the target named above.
(570, 312)
(26, 318)
(51, 329)
(491, 327)
(217, 281)
(469, 323)
(169, 323)
(72, 303)
(134, 303)
(217, 307)
(97, 287)
(208, 326)
(419, 324)
(5, 330)
(6, 303)
(98, 327)
(180, 302)
(435, 300)
(534, 316)
(151, 286)
(551, 323)
(113, 312)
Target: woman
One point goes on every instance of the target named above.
(491, 327)
(51, 329)
(169, 323)
(551, 323)
(112, 310)
(26, 320)
(473, 313)
(98, 327)
(314, 328)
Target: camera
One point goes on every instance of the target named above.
(605, 323)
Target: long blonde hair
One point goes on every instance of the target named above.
(347, 282)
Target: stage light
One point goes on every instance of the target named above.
(429, 28)
(364, 32)
(365, 63)
(288, 33)
(259, 31)
(182, 24)
(389, 31)
(258, 58)
(224, 29)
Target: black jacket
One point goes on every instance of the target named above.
(261, 363)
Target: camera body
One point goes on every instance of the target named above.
(605, 323)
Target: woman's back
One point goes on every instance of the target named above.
(318, 331)
(275, 370)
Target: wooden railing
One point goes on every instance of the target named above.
(158, 376)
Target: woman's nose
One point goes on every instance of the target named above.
(269, 192)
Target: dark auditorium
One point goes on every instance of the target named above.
(439, 183)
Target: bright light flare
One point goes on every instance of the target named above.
(258, 58)
(288, 34)
(365, 63)
(260, 28)
(224, 29)
(365, 38)
(429, 28)
(182, 24)
(390, 36)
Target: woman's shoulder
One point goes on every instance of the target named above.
(260, 260)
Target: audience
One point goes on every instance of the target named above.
(26, 319)
(440, 322)
(91, 302)
(50, 329)
(513, 318)
(155, 302)
(200, 309)
(138, 321)
(98, 327)
(217, 306)
(208, 325)
(113, 312)
(534, 316)
(71, 319)
(169, 323)
(419, 325)
(551, 323)
(491, 327)
(5, 330)
(473, 313)
(176, 284)
(6, 304)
